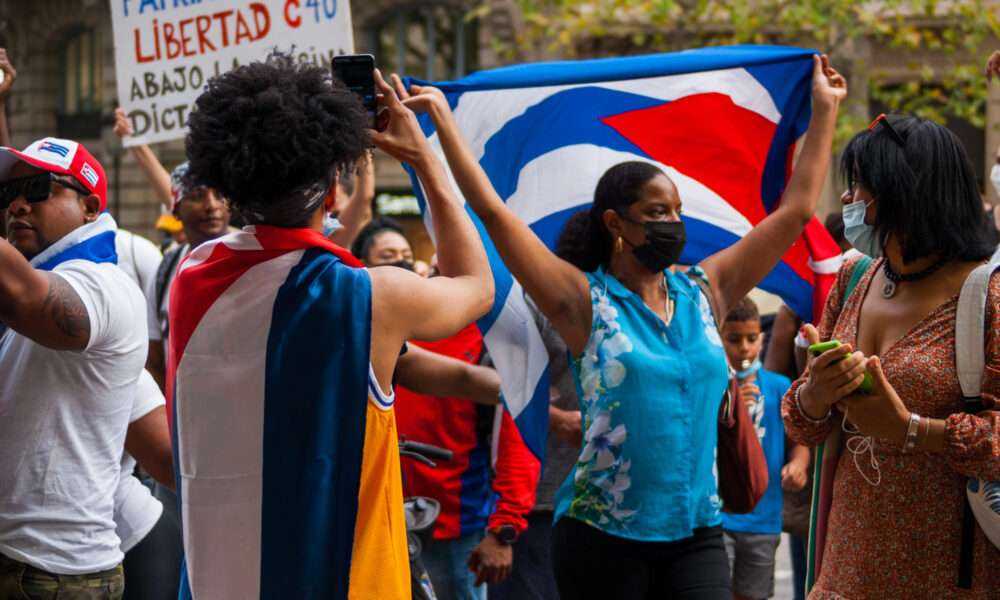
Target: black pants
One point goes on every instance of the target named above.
(153, 566)
(592, 564)
(532, 577)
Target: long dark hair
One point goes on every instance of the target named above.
(585, 241)
(925, 189)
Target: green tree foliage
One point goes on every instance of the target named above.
(853, 33)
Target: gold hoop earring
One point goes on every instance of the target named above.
(618, 245)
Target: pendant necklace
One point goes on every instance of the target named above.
(668, 303)
(893, 279)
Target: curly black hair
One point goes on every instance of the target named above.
(271, 136)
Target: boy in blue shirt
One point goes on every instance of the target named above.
(752, 539)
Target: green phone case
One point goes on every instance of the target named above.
(867, 384)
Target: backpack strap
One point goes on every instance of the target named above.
(970, 335)
(858, 271)
(707, 291)
(164, 274)
(970, 362)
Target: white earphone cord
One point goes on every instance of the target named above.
(858, 445)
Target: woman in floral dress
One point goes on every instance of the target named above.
(895, 523)
(638, 517)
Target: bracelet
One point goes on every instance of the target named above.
(911, 433)
(927, 432)
(798, 403)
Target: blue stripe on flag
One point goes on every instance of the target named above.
(533, 422)
(99, 249)
(475, 504)
(316, 398)
(788, 84)
(565, 118)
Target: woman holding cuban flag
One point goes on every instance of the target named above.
(638, 517)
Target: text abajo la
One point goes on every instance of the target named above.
(187, 79)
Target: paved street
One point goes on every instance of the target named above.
(783, 572)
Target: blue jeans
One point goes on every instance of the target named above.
(447, 562)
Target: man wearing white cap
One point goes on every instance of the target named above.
(72, 346)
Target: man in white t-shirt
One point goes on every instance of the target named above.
(73, 345)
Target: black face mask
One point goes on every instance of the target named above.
(402, 264)
(664, 242)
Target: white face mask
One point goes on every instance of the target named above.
(330, 224)
(995, 178)
(860, 234)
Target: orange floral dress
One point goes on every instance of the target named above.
(901, 539)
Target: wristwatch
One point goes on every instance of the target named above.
(505, 534)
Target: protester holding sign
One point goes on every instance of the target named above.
(639, 517)
(166, 52)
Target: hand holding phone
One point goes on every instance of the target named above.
(821, 348)
(357, 72)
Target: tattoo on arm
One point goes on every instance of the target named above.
(67, 311)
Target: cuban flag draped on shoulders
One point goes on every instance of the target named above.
(721, 122)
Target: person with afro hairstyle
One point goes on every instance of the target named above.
(289, 467)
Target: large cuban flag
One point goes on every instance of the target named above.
(721, 122)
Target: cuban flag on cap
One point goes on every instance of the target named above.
(63, 157)
(721, 122)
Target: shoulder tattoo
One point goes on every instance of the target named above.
(66, 309)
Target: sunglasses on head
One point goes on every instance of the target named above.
(34, 188)
(883, 121)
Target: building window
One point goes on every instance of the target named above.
(81, 85)
(430, 42)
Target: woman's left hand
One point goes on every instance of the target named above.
(880, 414)
(402, 137)
(829, 87)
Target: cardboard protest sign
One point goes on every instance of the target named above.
(167, 50)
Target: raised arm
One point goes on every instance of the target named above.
(39, 305)
(560, 289)
(158, 176)
(405, 305)
(357, 211)
(9, 75)
(733, 272)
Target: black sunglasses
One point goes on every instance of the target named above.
(34, 188)
(883, 121)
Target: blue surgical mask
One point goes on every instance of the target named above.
(330, 224)
(860, 234)
(742, 374)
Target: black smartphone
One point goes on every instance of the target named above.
(357, 72)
